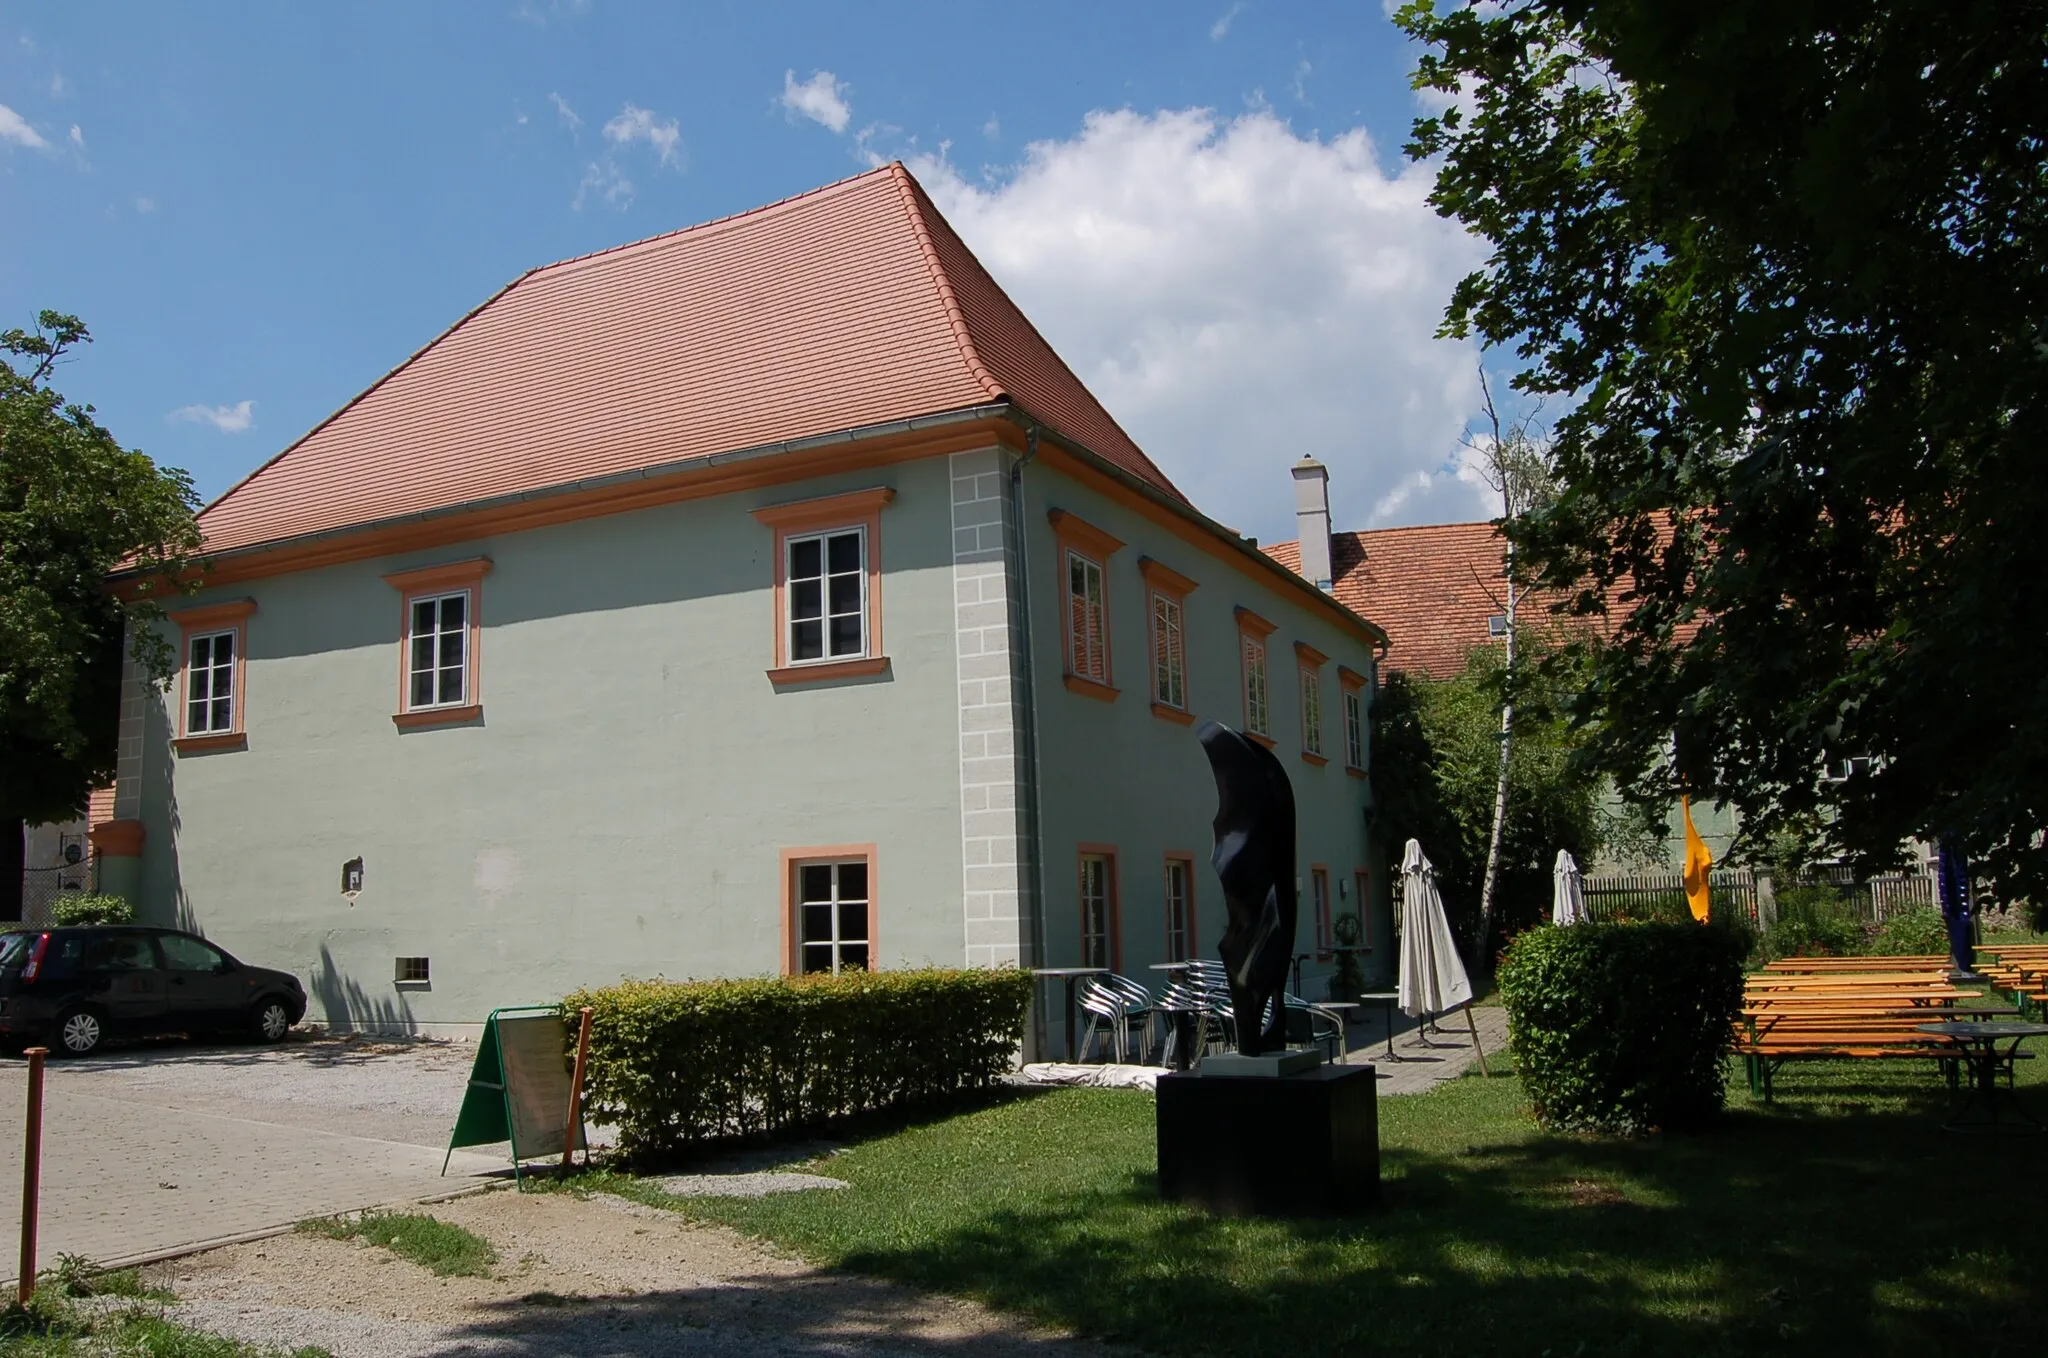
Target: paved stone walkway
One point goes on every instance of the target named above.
(1424, 1057)
(135, 1164)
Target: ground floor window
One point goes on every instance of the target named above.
(1319, 889)
(832, 916)
(1098, 909)
(1180, 909)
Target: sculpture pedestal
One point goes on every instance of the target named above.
(1271, 1145)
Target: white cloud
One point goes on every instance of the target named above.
(77, 137)
(993, 128)
(1221, 27)
(145, 205)
(603, 179)
(59, 86)
(638, 124)
(232, 419)
(1238, 295)
(822, 99)
(14, 128)
(1300, 82)
(570, 118)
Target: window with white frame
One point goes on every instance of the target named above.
(832, 916)
(1354, 728)
(1311, 710)
(1169, 653)
(826, 592)
(210, 684)
(1180, 910)
(1255, 705)
(438, 663)
(1087, 619)
(1097, 910)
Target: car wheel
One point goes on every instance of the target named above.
(270, 1020)
(79, 1033)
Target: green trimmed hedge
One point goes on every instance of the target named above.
(1623, 1027)
(74, 908)
(674, 1062)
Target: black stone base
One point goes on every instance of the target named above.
(1268, 1146)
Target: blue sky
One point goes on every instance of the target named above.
(261, 209)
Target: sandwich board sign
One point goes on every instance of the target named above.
(519, 1088)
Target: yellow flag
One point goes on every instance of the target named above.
(1697, 862)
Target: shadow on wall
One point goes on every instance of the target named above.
(351, 1009)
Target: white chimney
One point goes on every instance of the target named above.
(1312, 520)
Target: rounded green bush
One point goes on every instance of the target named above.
(1912, 933)
(1623, 1027)
(76, 908)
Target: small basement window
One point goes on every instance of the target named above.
(410, 969)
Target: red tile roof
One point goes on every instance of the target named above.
(1433, 589)
(847, 307)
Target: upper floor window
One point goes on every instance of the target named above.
(442, 640)
(439, 667)
(1258, 706)
(1168, 590)
(209, 717)
(827, 595)
(210, 684)
(1311, 663)
(1352, 684)
(1083, 553)
(828, 586)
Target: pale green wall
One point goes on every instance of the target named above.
(622, 808)
(1115, 773)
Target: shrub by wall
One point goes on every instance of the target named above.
(1623, 1027)
(676, 1062)
(1912, 933)
(75, 908)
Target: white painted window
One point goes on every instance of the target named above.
(438, 667)
(1169, 654)
(210, 684)
(1311, 710)
(1097, 910)
(1354, 728)
(1087, 619)
(826, 593)
(1180, 903)
(1256, 718)
(832, 916)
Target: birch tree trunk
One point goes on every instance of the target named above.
(1484, 960)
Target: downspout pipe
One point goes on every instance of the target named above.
(1027, 670)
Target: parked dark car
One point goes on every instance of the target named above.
(72, 989)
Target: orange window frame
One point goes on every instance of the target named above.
(1324, 909)
(456, 577)
(1191, 944)
(1351, 687)
(801, 518)
(1076, 537)
(1361, 885)
(1252, 632)
(1310, 662)
(1112, 913)
(232, 616)
(1163, 583)
(792, 932)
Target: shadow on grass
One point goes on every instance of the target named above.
(1795, 1227)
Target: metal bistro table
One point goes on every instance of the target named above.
(1977, 1045)
(1070, 975)
(1386, 1000)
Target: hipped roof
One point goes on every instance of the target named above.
(849, 307)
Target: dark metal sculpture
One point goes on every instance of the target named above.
(1254, 857)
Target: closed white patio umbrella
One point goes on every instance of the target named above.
(1433, 980)
(1567, 891)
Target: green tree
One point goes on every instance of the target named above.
(1436, 747)
(74, 504)
(1786, 268)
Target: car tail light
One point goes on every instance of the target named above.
(35, 959)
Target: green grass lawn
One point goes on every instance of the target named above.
(435, 1245)
(1840, 1220)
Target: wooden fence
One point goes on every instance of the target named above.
(1656, 895)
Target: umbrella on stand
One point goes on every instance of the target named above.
(1433, 980)
(1953, 877)
(1567, 891)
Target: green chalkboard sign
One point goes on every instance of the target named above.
(519, 1088)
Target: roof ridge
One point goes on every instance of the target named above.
(911, 192)
(730, 217)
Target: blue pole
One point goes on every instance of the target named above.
(1953, 879)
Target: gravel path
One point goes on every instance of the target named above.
(599, 1277)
